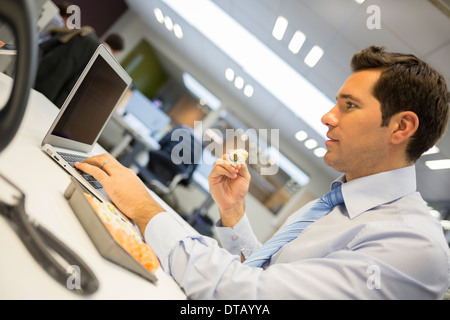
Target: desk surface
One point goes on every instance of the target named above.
(44, 183)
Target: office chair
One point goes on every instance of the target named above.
(174, 163)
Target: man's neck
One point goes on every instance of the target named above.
(371, 171)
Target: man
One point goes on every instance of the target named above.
(381, 243)
(62, 60)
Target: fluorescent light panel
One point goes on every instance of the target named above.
(320, 152)
(301, 135)
(297, 42)
(445, 225)
(438, 164)
(229, 74)
(433, 150)
(314, 56)
(311, 144)
(159, 15)
(261, 63)
(249, 90)
(178, 31)
(167, 21)
(280, 28)
(239, 83)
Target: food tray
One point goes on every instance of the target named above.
(112, 233)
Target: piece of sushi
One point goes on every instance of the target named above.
(237, 157)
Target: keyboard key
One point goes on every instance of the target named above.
(71, 159)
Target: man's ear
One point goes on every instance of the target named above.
(404, 125)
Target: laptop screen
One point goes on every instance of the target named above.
(92, 104)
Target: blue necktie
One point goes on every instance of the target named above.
(288, 233)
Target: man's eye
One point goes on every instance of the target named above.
(351, 105)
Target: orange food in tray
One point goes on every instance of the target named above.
(125, 234)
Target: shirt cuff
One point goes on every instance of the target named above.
(238, 240)
(163, 233)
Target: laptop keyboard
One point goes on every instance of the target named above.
(71, 159)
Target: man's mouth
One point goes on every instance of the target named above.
(331, 139)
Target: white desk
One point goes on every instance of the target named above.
(44, 183)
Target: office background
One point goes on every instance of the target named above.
(163, 48)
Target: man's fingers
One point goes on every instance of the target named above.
(104, 162)
(92, 170)
(222, 168)
(100, 160)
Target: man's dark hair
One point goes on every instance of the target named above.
(115, 41)
(63, 6)
(408, 84)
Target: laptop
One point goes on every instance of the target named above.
(84, 114)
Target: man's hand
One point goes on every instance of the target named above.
(124, 188)
(229, 185)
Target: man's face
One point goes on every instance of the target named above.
(357, 145)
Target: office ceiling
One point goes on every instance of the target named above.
(337, 26)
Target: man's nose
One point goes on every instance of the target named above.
(331, 117)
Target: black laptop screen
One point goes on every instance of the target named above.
(92, 104)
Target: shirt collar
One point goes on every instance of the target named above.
(369, 192)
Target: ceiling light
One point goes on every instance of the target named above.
(360, 1)
(320, 152)
(178, 31)
(433, 150)
(438, 164)
(229, 74)
(239, 83)
(280, 28)
(301, 135)
(297, 42)
(314, 56)
(159, 15)
(168, 23)
(435, 213)
(248, 91)
(445, 225)
(311, 144)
